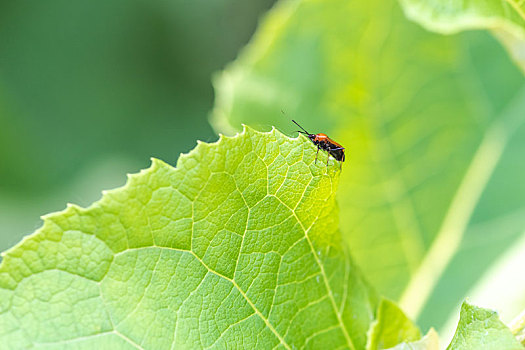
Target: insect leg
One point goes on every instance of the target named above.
(327, 159)
(316, 154)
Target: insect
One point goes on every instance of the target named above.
(322, 141)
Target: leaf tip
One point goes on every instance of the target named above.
(71, 206)
(157, 164)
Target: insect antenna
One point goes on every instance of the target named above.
(304, 131)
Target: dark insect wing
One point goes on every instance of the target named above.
(338, 153)
(335, 150)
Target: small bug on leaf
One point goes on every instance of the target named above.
(322, 141)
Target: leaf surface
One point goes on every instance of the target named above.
(236, 247)
(481, 329)
(433, 128)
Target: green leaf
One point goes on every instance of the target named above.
(518, 327)
(433, 128)
(453, 16)
(481, 329)
(392, 327)
(237, 246)
(429, 342)
(505, 18)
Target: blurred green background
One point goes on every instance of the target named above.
(89, 91)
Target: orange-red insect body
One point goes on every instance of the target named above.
(322, 141)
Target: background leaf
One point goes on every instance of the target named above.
(505, 18)
(238, 245)
(430, 193)
(391, 327)
(481, 329)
